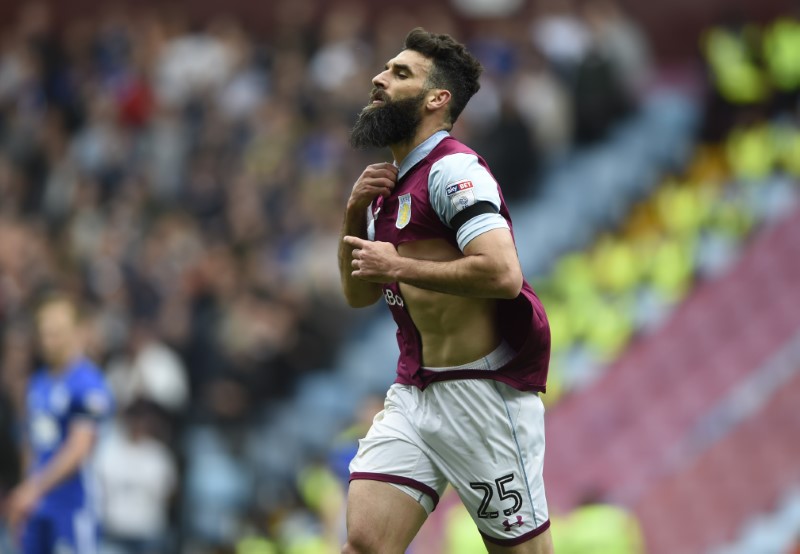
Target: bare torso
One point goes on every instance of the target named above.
(454, 329)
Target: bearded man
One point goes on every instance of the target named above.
(432, 236)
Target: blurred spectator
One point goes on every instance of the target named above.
(597, 528)
(499, 134)
(562, 36)
(219, 484)
(739, 85)
(148, 370)
(139, 479)
(483, 111)
(781, 52)
(600, 99)
(596, 54)
(752, 71)
(197, 62)
(543, 104)
(343, 55)
(322, 484)
(460, 534)
(325, 496)
(621, 42)
(345, 446)
(508, 149)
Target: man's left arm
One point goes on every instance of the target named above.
(489, 269)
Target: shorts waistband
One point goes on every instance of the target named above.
(493, 361)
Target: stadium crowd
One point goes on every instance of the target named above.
(184, 180)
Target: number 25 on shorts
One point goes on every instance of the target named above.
(502, 492)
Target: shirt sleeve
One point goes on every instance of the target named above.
(457, 183)
(92, 398)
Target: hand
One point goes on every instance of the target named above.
(373, 261)
(376, 180)
(21, 503)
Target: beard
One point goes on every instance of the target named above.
(394, 122)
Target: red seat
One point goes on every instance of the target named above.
(629, 432)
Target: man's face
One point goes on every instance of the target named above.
(58, 332)
(396, 103)
(402, 77)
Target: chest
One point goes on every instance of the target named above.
(51, 397)
(48, 408)
(407, 214)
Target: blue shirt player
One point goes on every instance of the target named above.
(51, 509)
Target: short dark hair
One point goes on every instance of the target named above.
(454, 68)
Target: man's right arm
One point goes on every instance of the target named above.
(66, 462)
(376, 180)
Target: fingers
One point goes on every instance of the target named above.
(371, 260)
(374, 190)
(382, 176)
(355, 242)
(376, 180)
(356, 263)
(378, 185)
(381, 171)
(384, 166)
(357, 252)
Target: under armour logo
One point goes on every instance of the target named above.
(508, 524)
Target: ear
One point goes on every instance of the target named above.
(437, 98)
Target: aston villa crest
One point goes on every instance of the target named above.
(403, 211)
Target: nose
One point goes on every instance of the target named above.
(379, 80)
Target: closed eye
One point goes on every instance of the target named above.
(402, 71)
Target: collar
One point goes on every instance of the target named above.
(419, 153)
(67, 369)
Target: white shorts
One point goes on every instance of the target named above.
(481, 436)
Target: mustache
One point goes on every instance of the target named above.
(378, 94)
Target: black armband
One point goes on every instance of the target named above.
(482, 207)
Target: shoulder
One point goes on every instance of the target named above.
(450, 145)
(457, 162)
(89, 390)
(463, 167)
(87, 374)
(459, 180)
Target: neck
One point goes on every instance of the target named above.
(401, 150)
(60, 365)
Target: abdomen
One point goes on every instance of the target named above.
(454, 329)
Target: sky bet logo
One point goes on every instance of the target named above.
(458, 187)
